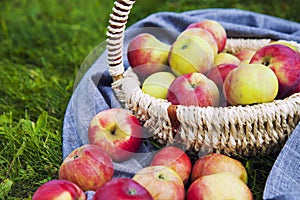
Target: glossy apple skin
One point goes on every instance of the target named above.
(162, 182)
(285, 63)
(116, 131)
(147, 55)
(215, 163)
(215, 28)
(193, 89)
(176, 159)
(190, 53)
(59, 190)
(250, 84)
(88, 166)
(219, 186)
(122, 188)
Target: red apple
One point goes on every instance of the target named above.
(147, 55)
(215, 163)
(88, 166)
(219, 73)
(59, 190)
(176, 159)
(215, 28)
(193, 89)
(285, 62)
(219, 186)
(162, 182)
(122, 188)
(116, 131)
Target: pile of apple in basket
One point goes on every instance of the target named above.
(196, 70)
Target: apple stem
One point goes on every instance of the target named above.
(184, 47)
(161, 176)
(132, 192)
(75, 157)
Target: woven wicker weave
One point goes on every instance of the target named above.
(245, 130)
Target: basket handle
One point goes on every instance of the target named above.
(115, 37)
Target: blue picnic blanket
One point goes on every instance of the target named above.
(93, 92)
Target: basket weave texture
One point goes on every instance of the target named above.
(245, 130)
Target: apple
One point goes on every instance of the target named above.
(176, 159)
(216, 163)
(215, 28)
(226, 58)
(219, 73)
(87, 166)
(146, 55)
(250, 84)
(162, 182)
(193, 89)
(285, 63)
(122, 188)
(59, 190)
(190, 53)
(203, 34)
(219, 186)
(286, 43)
(157, 84)
(116, 131)
(245, 55)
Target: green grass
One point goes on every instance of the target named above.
(42, 46)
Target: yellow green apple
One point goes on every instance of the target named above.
(250, 84)
(157, 84)
(190, 53)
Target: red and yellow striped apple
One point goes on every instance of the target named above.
(216, 163)
(88, 166)
(285, 63)
(193, 89)
(116, 131)
(147, 55)
(59, 190)
(176, 159)
(162, 182)
(219, 186)
(215, 28)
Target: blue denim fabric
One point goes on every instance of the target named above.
(94, 94)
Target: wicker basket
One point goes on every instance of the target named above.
(245, 130)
